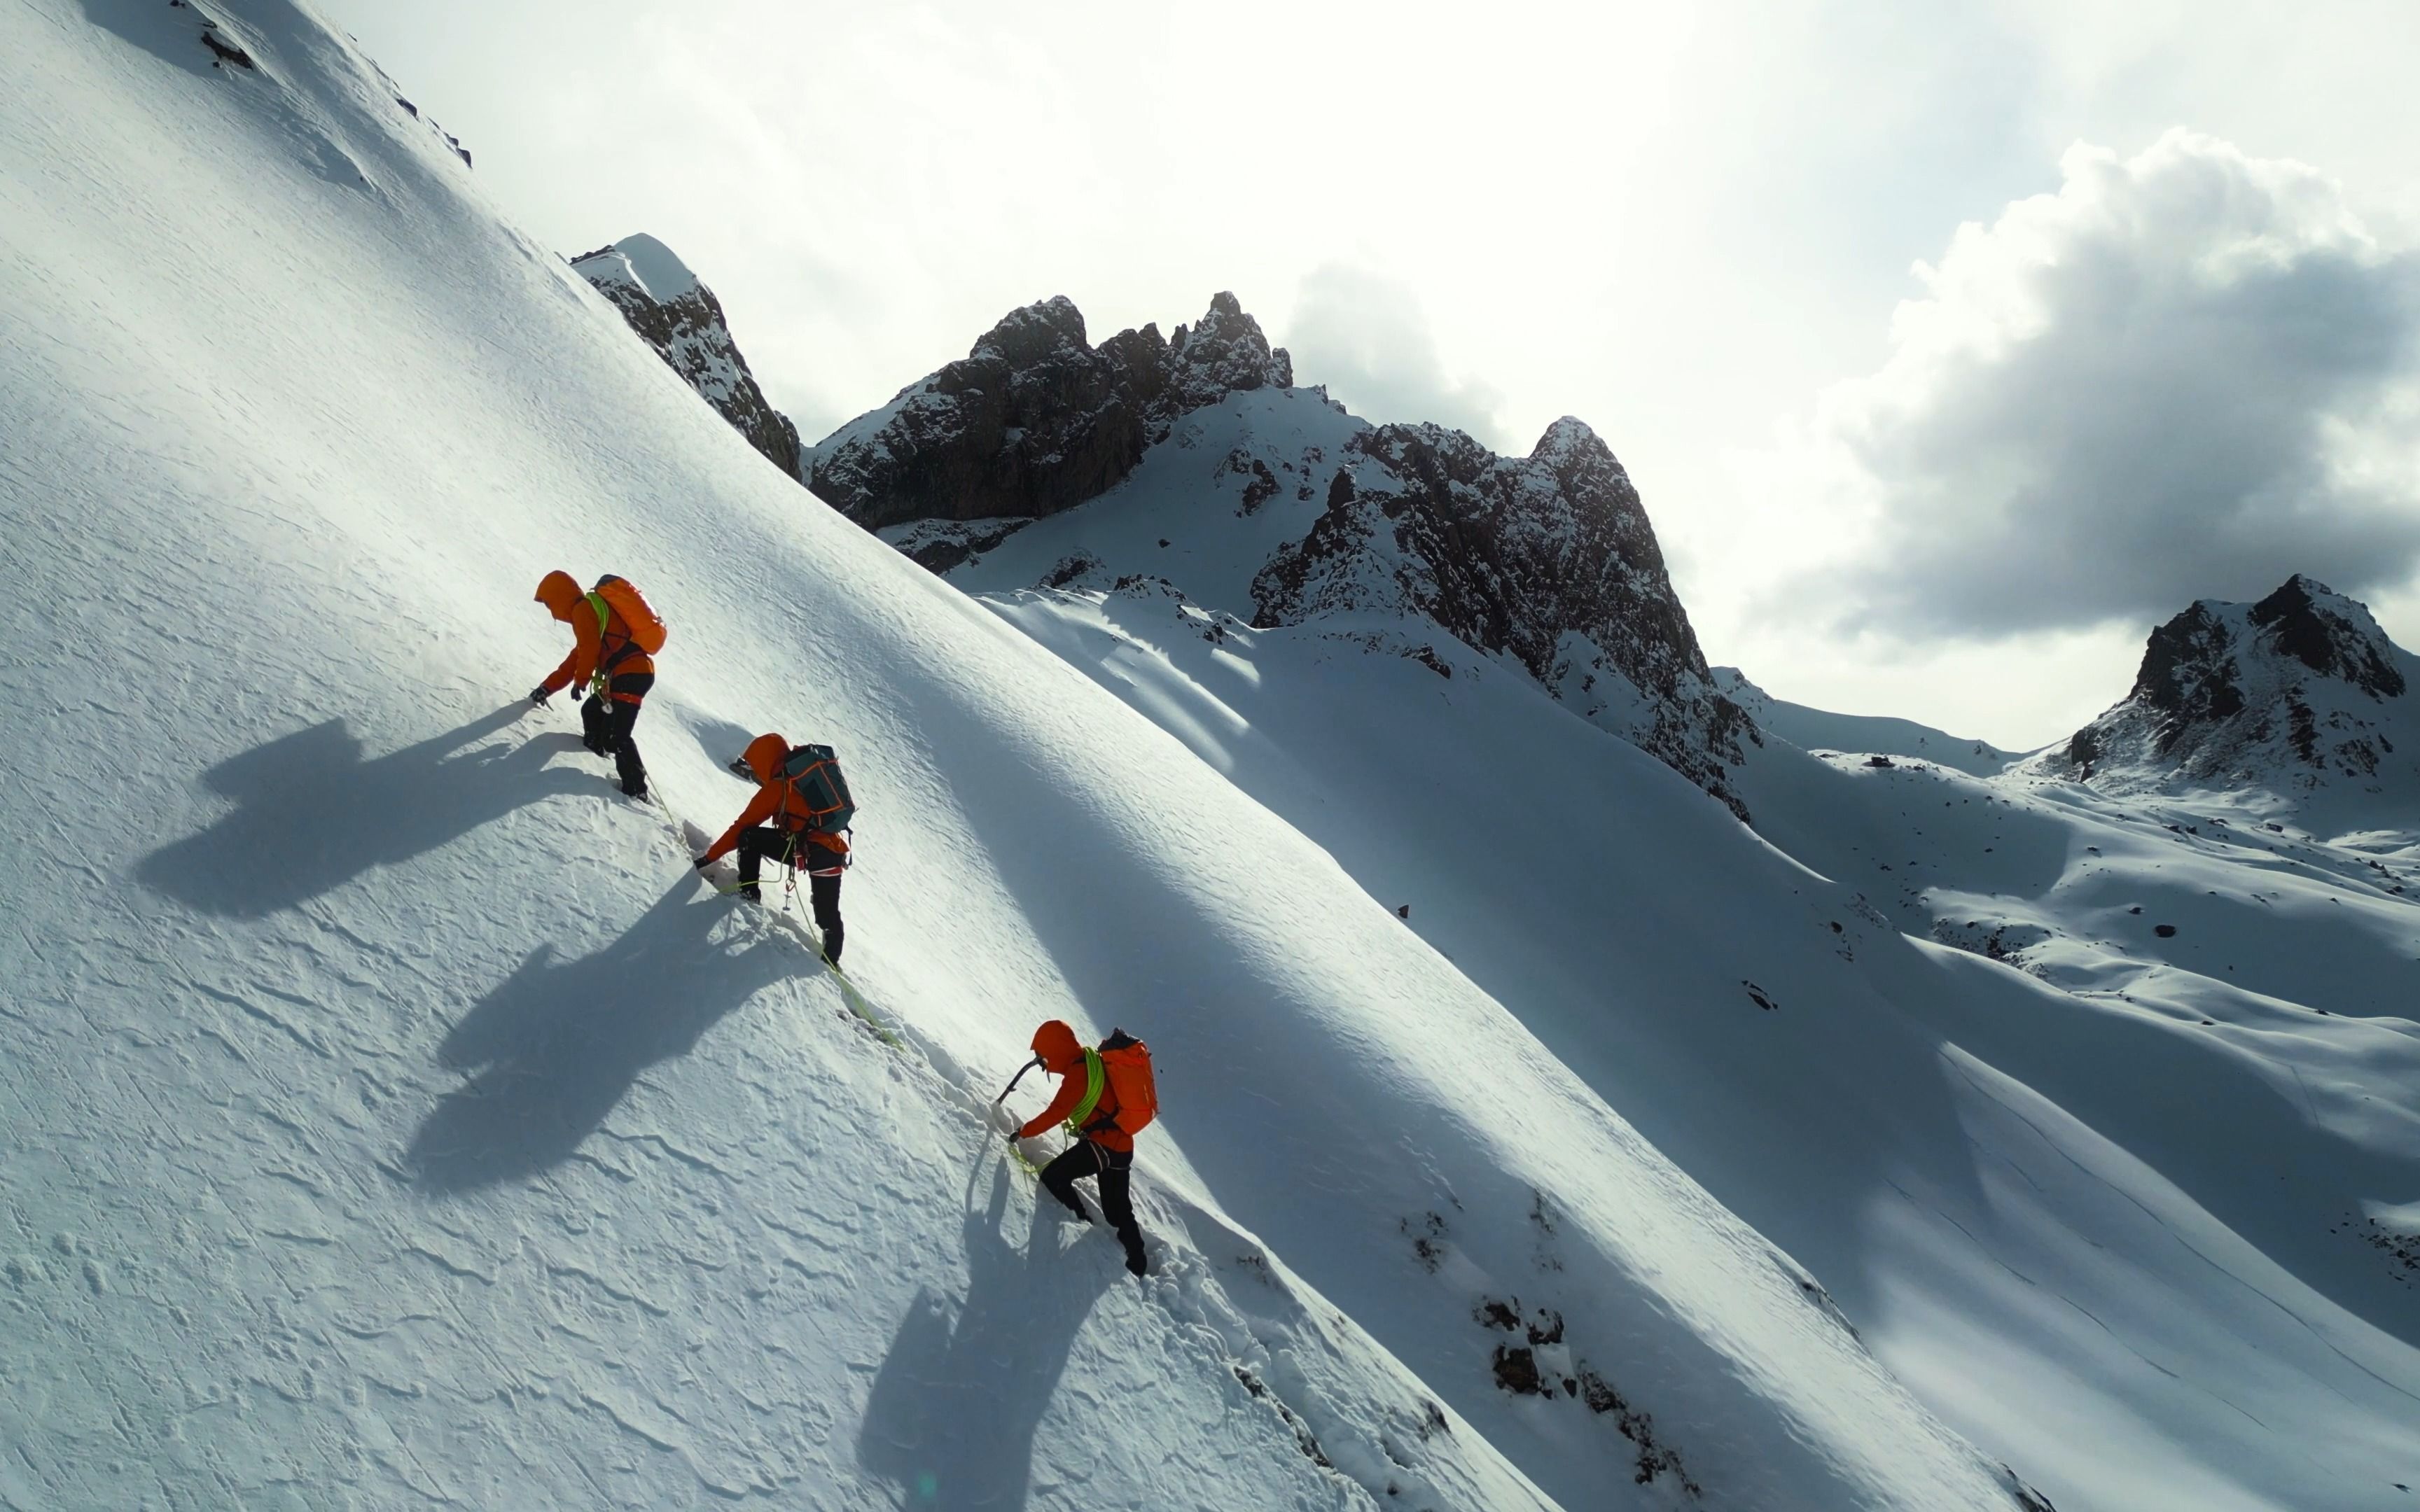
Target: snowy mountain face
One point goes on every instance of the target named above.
(1194, 463)
(1909, 1025)
(1035, 419)
(2300, 692)
(1549, 561)
(675, 312)
(395, 1117)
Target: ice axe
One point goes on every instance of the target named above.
(1014, 1080)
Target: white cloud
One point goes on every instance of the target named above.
(1366, 336)
(2187, 374)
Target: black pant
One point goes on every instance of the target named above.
(605, 725)
(1115, 1167)
(756, 845)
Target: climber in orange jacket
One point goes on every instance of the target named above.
(1102, 1147)
(798, 817)
(609, 656)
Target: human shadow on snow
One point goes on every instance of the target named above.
(954, 1411)
(314, 815)
(556, 1046)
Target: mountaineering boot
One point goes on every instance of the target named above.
(1132, 1238)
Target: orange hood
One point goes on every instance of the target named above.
(1058, 1048)
(763, 755)
(558, 591)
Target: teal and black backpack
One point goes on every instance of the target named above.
(814, 775)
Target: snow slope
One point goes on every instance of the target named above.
(396, 1117)
(1821, 730)
(2121, 1236)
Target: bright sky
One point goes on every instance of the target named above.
(1960, 495)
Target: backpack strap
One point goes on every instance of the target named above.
(607, 660)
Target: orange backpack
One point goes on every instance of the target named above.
(1126, 1061)
(647, 629)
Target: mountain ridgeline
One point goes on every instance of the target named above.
(1548, 561)
(1037, 420)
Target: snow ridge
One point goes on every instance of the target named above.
(1820, 729)
(674, 312)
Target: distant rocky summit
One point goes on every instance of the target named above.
(675, 312)
(1547, 559)
(1035, 419)
(1290, 511)
(2298, 690)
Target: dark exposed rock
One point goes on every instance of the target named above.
(2302, 621)
(683, 321)
(2189, 675)
(222, 51)
(1517, 1371)
(1549, 559)
(939, 546)
(1033, 420)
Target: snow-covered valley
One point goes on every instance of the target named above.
(395, 1118)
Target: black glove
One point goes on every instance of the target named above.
(539, 696)
(702, 863)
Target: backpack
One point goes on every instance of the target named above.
(646, 628)
(814, 775)
(1126, 1062)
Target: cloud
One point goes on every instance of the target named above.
(2187, 374)
(1366, 336)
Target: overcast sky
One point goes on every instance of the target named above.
(1951, 345)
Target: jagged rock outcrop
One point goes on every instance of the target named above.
(1548, 560)
(679, 316)
(2299, 689)
(1034, 419)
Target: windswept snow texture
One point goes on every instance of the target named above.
(2098, 1118)
(395, 1117)
(1820, 729)
(680, 317)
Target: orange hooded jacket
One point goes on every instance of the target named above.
(1063, 1056)
(772, 804)
(561, 594)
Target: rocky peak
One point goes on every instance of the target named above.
(2333, 634)
(2298, 689)
(1034, 419)
(1548, 560)
(674, 312)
